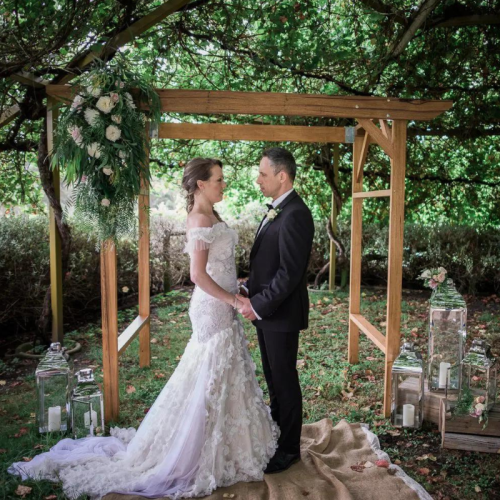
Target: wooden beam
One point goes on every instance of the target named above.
(378, 136)
(386, 130)
(130, 333)
(356, 247)
(470, 442)
(29, 80)
(362, 156)
(125, 36)
(143, 264)
(281, 104)
(372, 194)
(369, 330)
(395, 260)
(109, 312)
(333, 215)
(271, 133)
(9, 114)
(56, 278)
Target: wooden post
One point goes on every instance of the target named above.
(144, 273)
(395, 272)
(356, 247)
(333, 248)
(56, 280)
(109, 306)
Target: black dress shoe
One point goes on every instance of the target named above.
(281, 461)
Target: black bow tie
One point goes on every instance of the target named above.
(269, 206)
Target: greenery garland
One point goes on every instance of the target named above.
(101, 143)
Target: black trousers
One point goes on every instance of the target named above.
(279, 361)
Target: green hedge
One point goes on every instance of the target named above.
(472, 257)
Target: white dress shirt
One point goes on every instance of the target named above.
(275, 203)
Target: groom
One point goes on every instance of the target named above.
(277, 302)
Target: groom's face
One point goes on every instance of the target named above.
(268, 181)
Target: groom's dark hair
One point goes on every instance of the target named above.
(281, 160)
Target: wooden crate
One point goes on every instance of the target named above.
(466, 433)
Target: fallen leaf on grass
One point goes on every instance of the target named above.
(424, 471)
(382, 463)
(27, 459)
(3, 450)
(301, 363)
(22, 432)
(477, 489)
(153, 341)
(394, 433)
(130, 389)
(22, 491)
(38, 447)
(50, 497)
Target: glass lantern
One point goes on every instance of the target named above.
(407, 406)
(87, 407)
(53, 381)
(479, 377)
(448, 317)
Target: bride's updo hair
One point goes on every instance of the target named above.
(197, 169)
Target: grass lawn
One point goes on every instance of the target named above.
(331, 387)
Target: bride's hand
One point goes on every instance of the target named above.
(237, 302)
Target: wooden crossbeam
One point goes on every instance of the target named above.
(378, 136)
(131, 332)
(369, 330)
(9, 114)
(362, 156)
(386, 130)
(281, 104)
(372, 194)
(229, 132)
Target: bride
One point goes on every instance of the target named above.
(209, 427)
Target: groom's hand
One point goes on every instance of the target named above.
(245, 308)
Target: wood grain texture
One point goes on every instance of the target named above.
(109, 313)
(377, 136)
(281, 104)
(395, 259)
(369, 330)
(273, 133)
(373, 194)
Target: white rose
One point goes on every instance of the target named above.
(105, 104)
(94, 150)
(441, 277)
(271, 215)
(113, 133)
(105, 202)
(426, 274)
(122, 154)
(91, 116)
(116, 119)
(77, 102)
(94, 91)
(107, 171)
(442, 270)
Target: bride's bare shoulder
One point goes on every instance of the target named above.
(198, 220)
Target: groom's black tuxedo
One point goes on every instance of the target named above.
(277, 287)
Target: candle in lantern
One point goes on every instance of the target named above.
(443, 374)
(87, 419)
(408, 415)
(54, 418)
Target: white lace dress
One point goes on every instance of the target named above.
(209, 427)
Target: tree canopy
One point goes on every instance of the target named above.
(430, 49)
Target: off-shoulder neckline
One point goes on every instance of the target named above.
(206, 227)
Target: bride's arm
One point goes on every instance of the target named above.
(200, 277)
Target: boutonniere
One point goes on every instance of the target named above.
(273, 213)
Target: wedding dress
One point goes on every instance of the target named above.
(208, 428)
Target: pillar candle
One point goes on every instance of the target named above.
(443, 374)
(54, 418)
(408, 415)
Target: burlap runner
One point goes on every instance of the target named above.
(324, 473)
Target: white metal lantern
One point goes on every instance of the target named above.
(479, 377)
(407, 395)
(87, 407)
(447, 331)
(53, 379)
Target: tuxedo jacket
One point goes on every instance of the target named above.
(277, 283)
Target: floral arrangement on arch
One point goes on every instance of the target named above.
(434, 277)
(102, 146)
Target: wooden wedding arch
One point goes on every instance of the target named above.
(372, 114)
